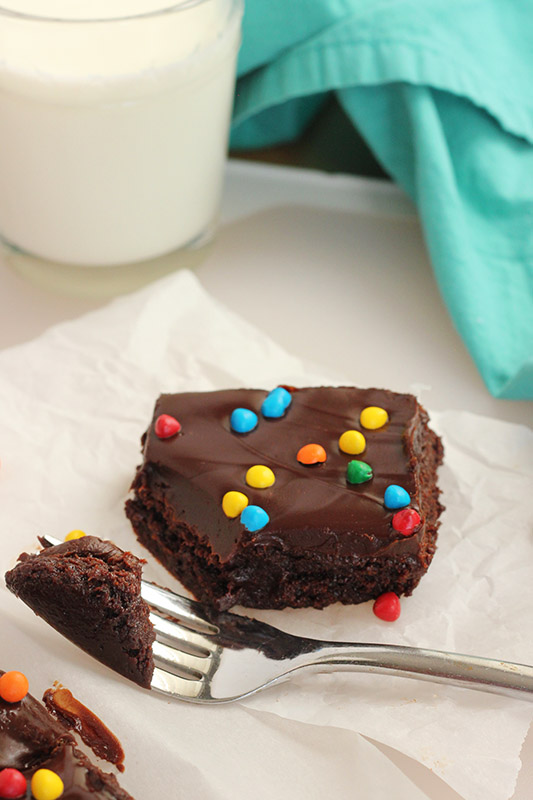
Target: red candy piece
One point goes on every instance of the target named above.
(166, 426)
(12, 784)
(406, 521)
(387, 607)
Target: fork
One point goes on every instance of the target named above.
(206, 657)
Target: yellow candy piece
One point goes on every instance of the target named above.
(46, 785)
(260, 477)
(74, 535)
(352, 442)
(373, 417)
(233, 503)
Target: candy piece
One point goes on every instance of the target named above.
(373, 417)
(260, 477)
(406, 521)
(311, 454)
(13, 686)
(243, 420)
(358, 472)
(166, 426)
(396, 497)
(233, 503)
(352, 442)
(254, 518)
(46, 785)
(276, 403)
(74, 535)
(12, 784)
(387, 607)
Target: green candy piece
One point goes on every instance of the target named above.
(358, 472)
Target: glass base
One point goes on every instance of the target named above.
(102, 282)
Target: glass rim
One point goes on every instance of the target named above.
(182, 5)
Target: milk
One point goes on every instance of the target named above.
(113, 134)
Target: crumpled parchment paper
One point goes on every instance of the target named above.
(74, 404)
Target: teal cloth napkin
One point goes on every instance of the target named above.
(442, 90)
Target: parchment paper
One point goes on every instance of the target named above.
(74, 405)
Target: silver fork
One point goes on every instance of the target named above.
(207, 657)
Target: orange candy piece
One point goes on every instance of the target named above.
(311, 454)
(13, 686)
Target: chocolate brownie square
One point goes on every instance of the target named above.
(297, 497)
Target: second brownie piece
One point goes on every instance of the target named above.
(322, 522)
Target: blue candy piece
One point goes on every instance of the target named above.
(254, 518)
(396, 497)
(243, 420)
(276, 403)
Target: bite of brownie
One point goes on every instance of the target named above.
(89, 590)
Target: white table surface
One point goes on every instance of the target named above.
(334, 268)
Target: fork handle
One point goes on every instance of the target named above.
(473, 672)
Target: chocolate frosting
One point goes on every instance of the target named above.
(311, 508)
(28, 735)
(75, 716)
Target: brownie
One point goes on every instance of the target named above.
(326, 539)
(90, 591)
(31, 739)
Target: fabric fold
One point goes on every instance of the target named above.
(441, 95)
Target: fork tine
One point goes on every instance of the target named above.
(180, 663)
(181, 638)
(49, 541)
(188, 612)
(176, 686)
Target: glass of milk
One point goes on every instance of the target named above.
(114, 120)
